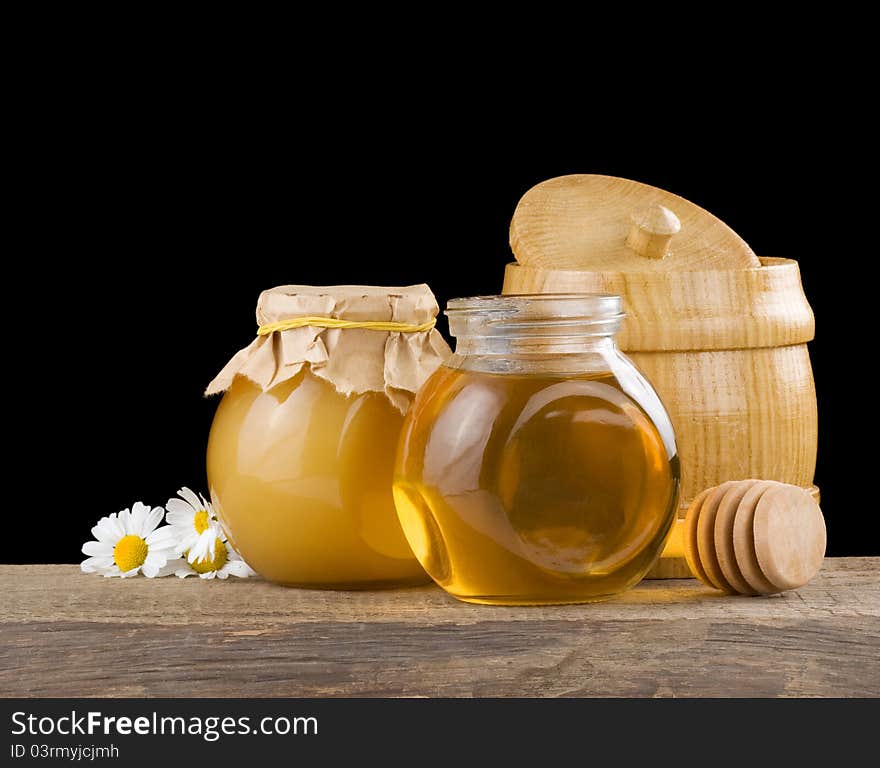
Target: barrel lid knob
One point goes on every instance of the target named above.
(653, 228)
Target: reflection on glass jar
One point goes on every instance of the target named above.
(537, 465)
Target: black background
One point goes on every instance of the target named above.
(152, 219)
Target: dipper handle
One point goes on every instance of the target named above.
(754, 537)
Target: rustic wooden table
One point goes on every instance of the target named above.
(65, 633)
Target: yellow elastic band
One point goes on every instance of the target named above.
(334, 322)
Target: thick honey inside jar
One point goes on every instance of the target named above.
(537, 465)
(302, 479)
(301, 452)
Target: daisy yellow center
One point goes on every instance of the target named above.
(130, 552)
(200, 522)
(214, 563)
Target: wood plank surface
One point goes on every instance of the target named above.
(65, 633)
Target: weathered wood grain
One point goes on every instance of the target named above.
(69, 634)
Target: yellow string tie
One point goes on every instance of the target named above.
(335, 322)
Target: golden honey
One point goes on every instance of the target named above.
(301, 476)
(532, 474)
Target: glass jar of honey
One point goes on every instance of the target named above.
(301, 451)
(536, 465)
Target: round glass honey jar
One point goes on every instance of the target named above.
(536, 465)
(301, 451)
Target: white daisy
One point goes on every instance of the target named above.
(224, 562)
(129, 542)
(194, 523)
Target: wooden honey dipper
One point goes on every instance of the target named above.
(754, 537)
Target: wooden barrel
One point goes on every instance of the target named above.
(727, 352)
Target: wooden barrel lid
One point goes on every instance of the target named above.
(760, 306)
(602, 223)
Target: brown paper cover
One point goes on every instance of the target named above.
(353, 360)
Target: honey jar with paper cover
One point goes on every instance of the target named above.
(301, 451)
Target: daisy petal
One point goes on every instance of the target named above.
(162, 538)
(204, 547)
(184, 533)
(139, 512)
(154, 565)
(180, 509)
(152, 519)
(118, 524)
(172, 566)
(105, 530)
(97, 548)
(92, 564)
(190, 498)
(108, 529)
(125, 522)
(156, 558)
(186, 542)
(239, 568)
